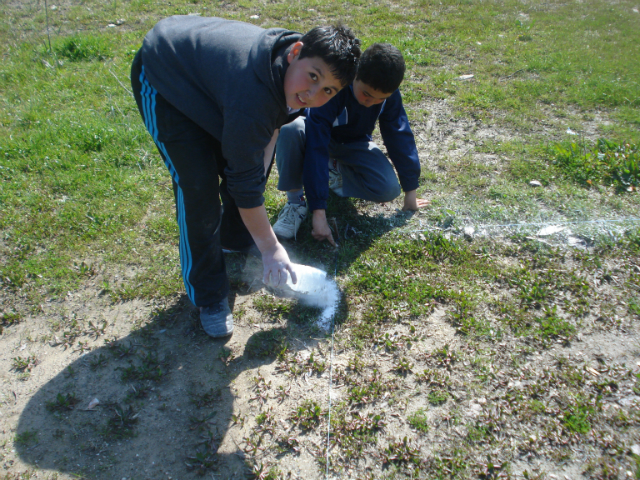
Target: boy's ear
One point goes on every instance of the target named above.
(294, 52)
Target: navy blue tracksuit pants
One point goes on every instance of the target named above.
(195, 162)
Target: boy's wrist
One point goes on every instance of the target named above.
(320, 213)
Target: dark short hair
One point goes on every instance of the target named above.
(337, 46)
(381, 67)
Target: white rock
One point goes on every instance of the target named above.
(635, 449)
(628, 401)
(465, 77)
(535, 183)
(576, 242)
(474, 410)
(550, 230)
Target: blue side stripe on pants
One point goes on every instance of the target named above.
(148, 94)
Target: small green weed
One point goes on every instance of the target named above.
(401, 452)
(226, 355)
(419, 421)
(437, 396)
(263, 471)
(137, 392)
(308, 414)
(434, 378)
(604, 468)
(295, 364)
(205, 399)
(371, 389)
(62, 403)
(200, 422)
(26, 364)
(120, 350)
(98, 361)
(450, 464)
(205, 458)
(353, 431)
(444, 356)
(97, 330)
(202, 462)
(577, 418)
(8, 319)
(28, 437)
(551, 326)
(122, 423)
(150, 369)
(288, 443)
(402, 366)
(261, 387)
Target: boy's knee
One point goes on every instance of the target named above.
(391, 192)
(292, 132)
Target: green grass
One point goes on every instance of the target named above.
(83, 182)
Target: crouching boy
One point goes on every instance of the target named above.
(332, 147)
(213, 94)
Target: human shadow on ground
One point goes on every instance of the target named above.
(166, 394)
(353, 231)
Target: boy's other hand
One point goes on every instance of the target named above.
(412, 203)
(321, 230)
(276, 264)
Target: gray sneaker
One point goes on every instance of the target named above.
(217, 319)
(289, 220)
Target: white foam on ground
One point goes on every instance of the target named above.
(314, 289)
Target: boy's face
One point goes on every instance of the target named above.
(368, 96)
(308, 82)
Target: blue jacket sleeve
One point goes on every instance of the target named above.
(400, 142)
(318, 126)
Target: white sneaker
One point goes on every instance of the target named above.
(289, 220)
(335, 182)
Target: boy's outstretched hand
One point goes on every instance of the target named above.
(321, 230)
(275, 260)
(277, 266)
(412, 203)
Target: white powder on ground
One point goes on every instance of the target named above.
(314, 289)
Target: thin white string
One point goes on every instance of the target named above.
(335, 273)
(508, 225)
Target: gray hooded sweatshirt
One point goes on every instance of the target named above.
(228, 77)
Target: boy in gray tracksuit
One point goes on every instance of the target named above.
(213, 94)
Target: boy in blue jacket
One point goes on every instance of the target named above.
(332, 147)
(213, 94)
